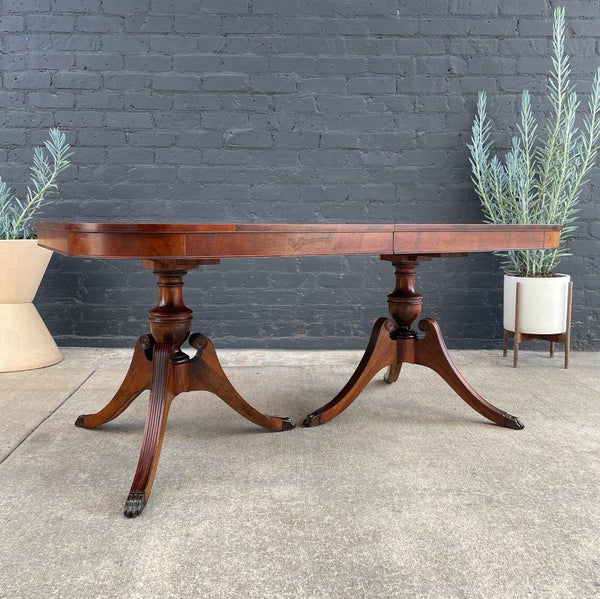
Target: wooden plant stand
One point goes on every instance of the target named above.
(519, 337)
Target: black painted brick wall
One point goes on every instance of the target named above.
(280, 110)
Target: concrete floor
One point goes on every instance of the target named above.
(409, 493)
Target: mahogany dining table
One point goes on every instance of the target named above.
(171, 250)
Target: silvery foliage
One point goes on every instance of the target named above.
(539, 183)
(16, 216)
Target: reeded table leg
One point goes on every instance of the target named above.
(162, 393)
(394, 342)
(159, 364)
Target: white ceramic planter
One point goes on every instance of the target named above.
(542, 305)
(25, 342)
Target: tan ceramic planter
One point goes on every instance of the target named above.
(25, 342)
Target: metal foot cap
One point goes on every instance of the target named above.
(135, 504)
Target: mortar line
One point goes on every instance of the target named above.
(60, 405)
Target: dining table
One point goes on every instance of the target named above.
(171, 250)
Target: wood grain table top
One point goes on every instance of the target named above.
(202, 241)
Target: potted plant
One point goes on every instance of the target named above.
(539, 182)
(25, 342)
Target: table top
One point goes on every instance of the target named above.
(232, 240)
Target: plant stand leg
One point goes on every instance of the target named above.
(568, 331)
(517, 335)
(552, 349)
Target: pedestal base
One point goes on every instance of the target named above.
(393, 343)
(158, 364)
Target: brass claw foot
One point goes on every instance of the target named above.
(135, 504)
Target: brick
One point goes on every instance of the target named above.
(292, 103)
(246, 24)
(392, 64)
(225, 82)
(322, 84)
(371, 85)
(173, 44)
(295, 140)
(51, 23)
(100, 24)
(444, 26)
(500, 26)
(240, 64)
(125, 43)
(230, 7)
(129, 120)
(126, 81)
(12, 62)
(47, 60)
(62, 99)
(148, 63)
(248, 138)
(75, 5)
(342, 65)
(491, 66)
(297, 25)
(12, 23)
(276, 7)
(354, 26)
(12, 99)
(314, 46)
(247, 102)
(399, 25)
(523, 7)
(105, 61)
(292, 64)
(80, 118)
(203, 24)
(93, 137)
(370, 46)
(342, 104)
(200, 139)
(26, 6)
(473, 7)
(272, 83)
(148, 24)
(101, 100)
(196, 102)
(178, 156)
(26, 80)
(170, 7)
(176, 82)
(125, 6)
(77, 80)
